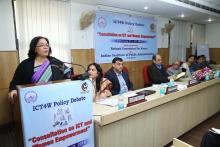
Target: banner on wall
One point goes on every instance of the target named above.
(132, 38)
(59, 115)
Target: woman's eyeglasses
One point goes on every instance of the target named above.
(43, 45)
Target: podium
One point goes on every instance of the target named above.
(55, 114)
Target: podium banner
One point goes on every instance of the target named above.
(57, 115)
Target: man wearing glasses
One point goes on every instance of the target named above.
(174, 69)
(118, 77)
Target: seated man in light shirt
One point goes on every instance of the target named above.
(119, 78)
(174, 69)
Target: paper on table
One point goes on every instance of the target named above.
(181, 86)
(108, 102)
(129, 94)
(214, 130)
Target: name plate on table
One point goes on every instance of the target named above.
(171, 89)
(192, 83)
(136, 100)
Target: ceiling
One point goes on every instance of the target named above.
(166, 8)
(214, 2)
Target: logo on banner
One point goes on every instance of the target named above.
(30, 96)
(62, 117)
(152, 27)
(102, 22)
(84, 87)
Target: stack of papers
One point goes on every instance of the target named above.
(214, 130)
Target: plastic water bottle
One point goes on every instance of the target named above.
(121, 102)
(121, 99)
(162, 89)
(207, 76)
(217, 73)
(171, 83)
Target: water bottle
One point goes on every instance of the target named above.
(162, 89)
(207, 76)
(121, 99)
(121, 102)
(217, 73)
(171, 83)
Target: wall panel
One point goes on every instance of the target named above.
(135, 68)
(9, 62)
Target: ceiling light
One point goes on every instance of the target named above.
(210, 20)
(146, 7)
(182, 15)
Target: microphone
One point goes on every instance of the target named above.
(83, 76)
(183, 70)
(80, 76)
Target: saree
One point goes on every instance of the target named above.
(42, 73)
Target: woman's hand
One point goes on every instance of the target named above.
(11, 95)
(105, 94)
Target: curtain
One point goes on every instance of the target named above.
(48, 18)
(178, 41)
(198, 36)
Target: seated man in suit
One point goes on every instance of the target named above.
(156, 71)
(118, 77)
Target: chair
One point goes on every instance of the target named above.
(125, 69)
(179, 143)
(147, 81)
(169, 66)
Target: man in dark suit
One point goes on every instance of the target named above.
(156, 71)
(210, 140)
(118, 77)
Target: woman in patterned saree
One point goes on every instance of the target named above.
(102, 86)
(40, 67)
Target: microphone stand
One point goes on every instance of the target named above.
(83, 76)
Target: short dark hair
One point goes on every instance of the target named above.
(154, 57)
(198, 57)
(190, 57)
(117, 59)
(203, 56)
(32, 53)
(100, 74)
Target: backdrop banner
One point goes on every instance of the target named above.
(132, 38)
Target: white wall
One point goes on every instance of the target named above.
(7, 33)
(84, 39)
(80, 39)
(162, 40)
(213, 35)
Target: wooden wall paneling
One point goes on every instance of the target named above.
(5, 108)
(164, 52)
(9, 62)
(135, 68)
(214, 54)
(188, 52)
(83, 57)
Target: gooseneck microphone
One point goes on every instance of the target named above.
(83, 76)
